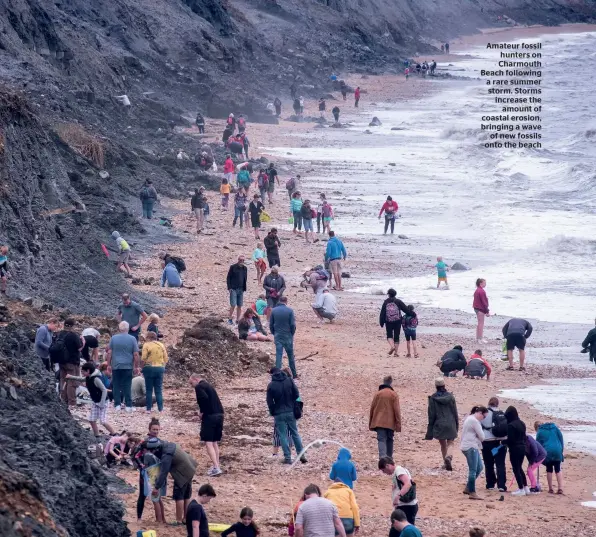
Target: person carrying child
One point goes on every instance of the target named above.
(410, 323)
(246, 527)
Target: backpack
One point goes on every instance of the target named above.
(322, 274)
(58, 351)
(392, 313)
(145, 194)
(178, 263)
(263, 180)
(410, 322)
(499, 427)
(291, 184)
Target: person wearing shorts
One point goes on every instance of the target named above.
(390, 317)
(236, 281)
(99, 397)
(516, 332)
(123, 253)
(212, 418)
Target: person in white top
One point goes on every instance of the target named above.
(472, 437)
(325, 306)
(90, 351)
(402, 495)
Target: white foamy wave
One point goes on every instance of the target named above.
(571, 245)
(463, 134)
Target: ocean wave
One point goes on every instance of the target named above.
(455, 133)
(577, 246)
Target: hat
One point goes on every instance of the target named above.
(153, 443)
(115, 234)
(439, 382)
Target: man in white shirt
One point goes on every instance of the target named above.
(325, 306)
(90, 351)
(318, 517)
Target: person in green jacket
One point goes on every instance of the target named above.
(295, 209)
(549, 436)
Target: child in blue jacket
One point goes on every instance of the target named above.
(344, 469)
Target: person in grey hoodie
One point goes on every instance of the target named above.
(493, 450)
(43, 340)
(282, 324)
(516, 332)
(443, 421)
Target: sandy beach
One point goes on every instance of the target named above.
(338, 383)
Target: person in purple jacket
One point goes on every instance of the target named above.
(535, 454)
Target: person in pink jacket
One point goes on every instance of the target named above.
(480, 306)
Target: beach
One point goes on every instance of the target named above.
(338, 383)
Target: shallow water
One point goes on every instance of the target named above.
(523, 219)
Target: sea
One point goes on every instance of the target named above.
(523, 219)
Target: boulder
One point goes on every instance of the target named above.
(376, 122)
(459, 266)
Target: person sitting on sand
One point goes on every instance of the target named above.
(250, 327)
(477, 367)
(452, 361)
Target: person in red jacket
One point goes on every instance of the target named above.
(229, 168)
(480, 306)
(356, 96)
(477, 367)
(390, 210)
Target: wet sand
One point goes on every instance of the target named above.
(338, 383)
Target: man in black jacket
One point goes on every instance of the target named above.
(452, 362)
(282, 395)
(589, 344)
(69, 345)
(211, 413)
(237, 276)
(272, 244)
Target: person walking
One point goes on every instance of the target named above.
(356, 96)
(274, 285)
(306, 213)
(317, 517)
(211, 414)
(43, 341)
(335, 252)
(335, 112)
(272, 246)
(236, 282)
(403, 489)
(200, 123)
(516, 442)
(148, 198)
(472, 437)
(240, 200)
(273, 177)
(123, 255)
(322, 106)
(255, 208)
(549, 436)
(197, 204)
(516, 331)
(154, 358)
(385, 417)
(277, 105)
(343, 469)
(443, 421)
(494, 450)
(480, 305)
(390, 317)
(123, 358)
(282, 395)
(295, 207)
(390, 209)
(133, 314)
(282, 325)
(228, 168)
(344, 499)
(66, 352)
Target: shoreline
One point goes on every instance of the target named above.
(352, 359)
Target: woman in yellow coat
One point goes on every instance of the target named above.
(154, 358)
(345, 500)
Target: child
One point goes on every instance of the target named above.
(261, 305)
(327, 215)
(225, 190)
(442, 269)
(407, 72)
(245, 528)
(3, 268)
(118, 448)
(410, 323)
(549, 436)
(343, 468)
(196, 513)
(153, 322)
(99, 397)
(123, 254)
(258, 258)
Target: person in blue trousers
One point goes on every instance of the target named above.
(148, 198)
(282, 324)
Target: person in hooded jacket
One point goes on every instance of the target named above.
(343, 469)
(494, 459)
(516, 442)
(589, 345)
(385, 417)
(344, 499)
(443, 421)
(282, 395)
(452, 361)
(535, 454)
(550, 437)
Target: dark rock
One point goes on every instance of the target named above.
(28, 301)
(376, 122)
(345, 275)
(243, 405)
(459, 266)
(402, 237)
(392, 164)
(12, 391)
(397, 129)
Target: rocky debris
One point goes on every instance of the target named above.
(402, 237)
(211, 349)
(346, 275)
(43, 468)
(397, 129)
(459, 266)
(376, 122)
(4, 313)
